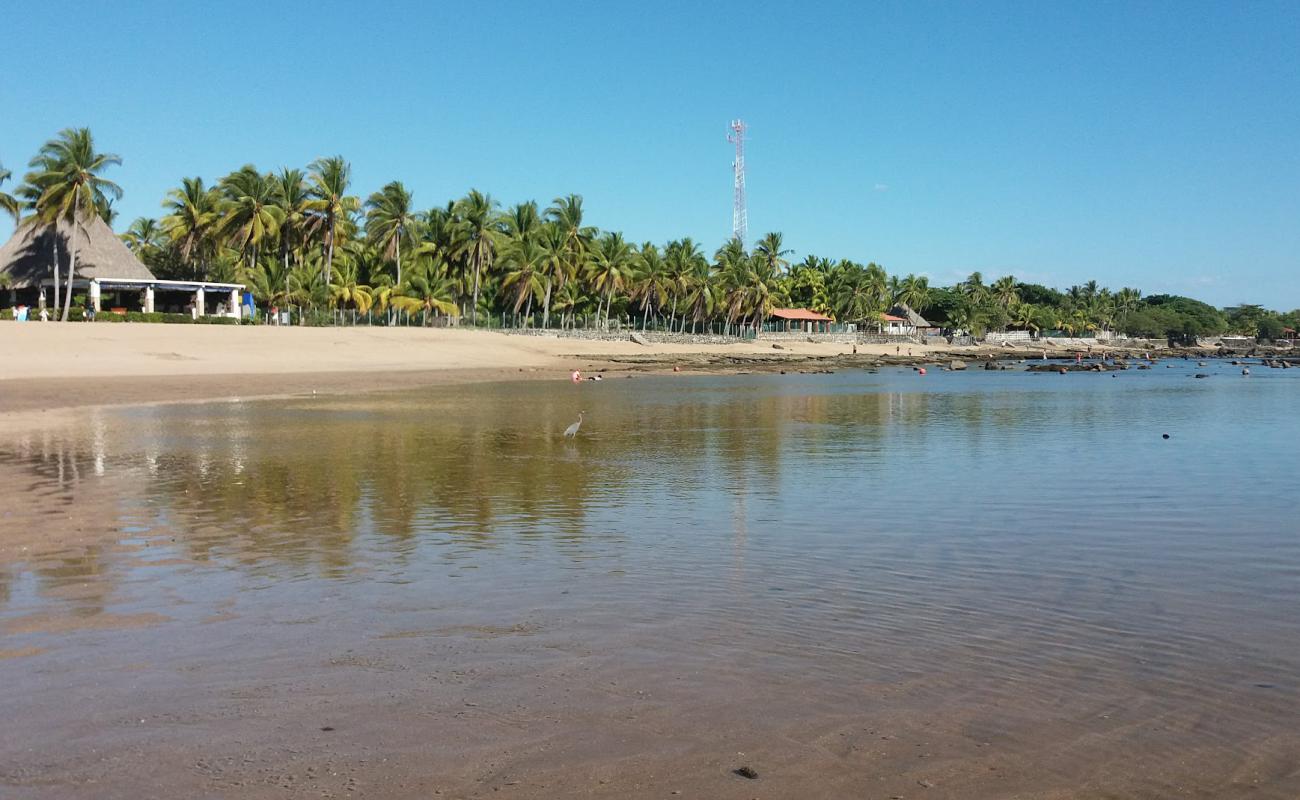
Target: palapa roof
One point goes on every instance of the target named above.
(906, 312)
(27, 255)
(801, 314)
(891, 318)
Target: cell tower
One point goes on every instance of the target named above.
(739, 216)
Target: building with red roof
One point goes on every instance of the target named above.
(802, 319)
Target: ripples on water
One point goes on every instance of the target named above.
(1026, 534)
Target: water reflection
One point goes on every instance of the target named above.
(799, 467)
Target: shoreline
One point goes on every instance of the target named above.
(53, 370)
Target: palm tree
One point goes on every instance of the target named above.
(566, 214)
(72, 187)
(704, 291)
(250, 213)
(291, 195)
(1004, 292)
(426, 290)
(1025, 317)
(329, 201)
(389, 220)
(915, 292)
(522, 228)
(653, 282)
(8, 203)
(269, 283)
(346, 288)
(476, 237)
(554, 265)
(771, 249)
(522, 259)
(190, 222)
(610, 268)
(144, 235)
(973, 288)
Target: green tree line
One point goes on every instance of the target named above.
(304, 237)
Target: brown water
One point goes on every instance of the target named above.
(963, 585)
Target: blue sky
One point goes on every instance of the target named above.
(1142, 144)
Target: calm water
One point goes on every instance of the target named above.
(1023, 550)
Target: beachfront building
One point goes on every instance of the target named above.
(108, 274)
(915, 323)
(796, 320)
(891, 325)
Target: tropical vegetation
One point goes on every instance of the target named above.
(305, 238)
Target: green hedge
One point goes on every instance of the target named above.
(158, 316)
(78, 315)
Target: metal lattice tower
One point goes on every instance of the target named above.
(739, 215)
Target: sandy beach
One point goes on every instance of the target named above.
(51, 366)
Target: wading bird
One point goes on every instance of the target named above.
(572, 430)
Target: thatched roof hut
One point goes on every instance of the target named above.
(914, 319)
(26, 257)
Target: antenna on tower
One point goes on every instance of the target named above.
(739, 215)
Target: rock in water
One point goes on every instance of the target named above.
(957, 364)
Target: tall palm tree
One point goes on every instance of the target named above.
(554, 265)
(610, 268)
(250, 214)
(915, 292)
(190, 222)
(1004, 291)
(683, 259)
(390, 219)
(566, 213)
(476, 234)
(771, 249)
(291, 195)
(973, 288)
(523, 259)
(73, 188)
(653, 281)
(8, 203)
(329, 202)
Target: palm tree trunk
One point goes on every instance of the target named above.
(546, 306)
(72, 266)
(329, 252)
(473, 313)
(54, 246)
(399, 260)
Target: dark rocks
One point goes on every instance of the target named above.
(777, 346)
(746, 772)
(1202, 375)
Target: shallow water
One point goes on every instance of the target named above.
(988, 584)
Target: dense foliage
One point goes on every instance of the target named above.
(301, 238)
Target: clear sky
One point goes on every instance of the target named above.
(1136, 143)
